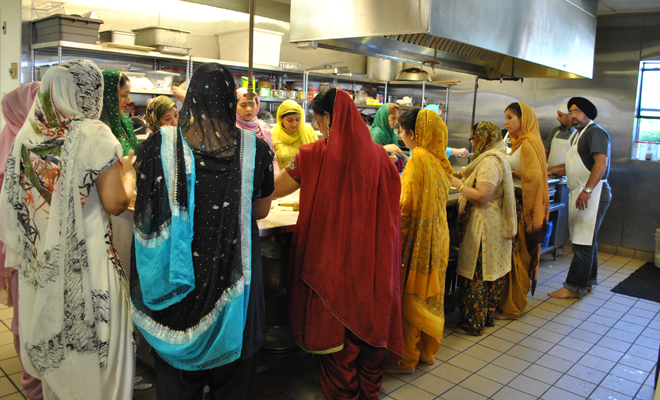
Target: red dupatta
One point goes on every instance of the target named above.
(346, 251)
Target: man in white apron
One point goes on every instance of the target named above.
(587, 169)
(558, 143)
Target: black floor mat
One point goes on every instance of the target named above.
(643, 283)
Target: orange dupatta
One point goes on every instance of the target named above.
(534, 178)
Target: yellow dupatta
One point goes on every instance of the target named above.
(286, 143)
(424, 232)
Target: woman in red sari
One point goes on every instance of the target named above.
(345, 283)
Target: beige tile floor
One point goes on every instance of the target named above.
(604, 346)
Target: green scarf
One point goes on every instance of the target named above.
(381, 132)
(121, 125)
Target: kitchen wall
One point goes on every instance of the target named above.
(622, 41)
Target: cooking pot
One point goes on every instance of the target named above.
(413, 74)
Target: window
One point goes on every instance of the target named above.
(647, 115)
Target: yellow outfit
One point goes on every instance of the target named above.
(286, 143)
(424, 240)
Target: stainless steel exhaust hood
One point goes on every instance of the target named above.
(492, 39)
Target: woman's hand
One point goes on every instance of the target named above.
(392, 148)
(455, 182)
(515, 174)
(463, 152)
(393, 157)
(179, 93)
(127, 164)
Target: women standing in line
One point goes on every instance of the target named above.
(116, 96)
(161, 111)
(530, 178)
(246, 118)
(197, 285)
(344, 281)
(16, 106)
(487, 226)
(424, 236)
(62, 180)
(290, 132)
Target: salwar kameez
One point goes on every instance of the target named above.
(477, 301)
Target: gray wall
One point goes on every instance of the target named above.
(622, 41)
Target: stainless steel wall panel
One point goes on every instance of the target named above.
(642, 215)
(611, 231)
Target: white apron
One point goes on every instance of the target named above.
(558, 150)
(581, 223)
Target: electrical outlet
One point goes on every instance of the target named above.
(13, 71)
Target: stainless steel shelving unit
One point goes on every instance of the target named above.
(64, 49)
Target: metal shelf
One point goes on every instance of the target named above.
(416, 84)
(156, 92)
(281, 99)
(342, 78)
(84, 47)
(255, 67)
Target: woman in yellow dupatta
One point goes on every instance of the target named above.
(529, 169)
(424, 236)
(290, 132)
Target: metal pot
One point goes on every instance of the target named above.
(413, 74)
(382, 70)
(292, 94)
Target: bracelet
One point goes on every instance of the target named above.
(460, 187)
(129, 178)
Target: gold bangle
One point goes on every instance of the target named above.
(129, 178)
(460, 187)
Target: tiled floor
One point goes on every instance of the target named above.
(604, 346)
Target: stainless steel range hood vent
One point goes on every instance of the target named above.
(490, 39)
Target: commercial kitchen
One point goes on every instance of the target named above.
(471, 58)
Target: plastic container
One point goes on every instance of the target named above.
(118, 37)
(311, 93)
(656, 259)
(234, 46)
(161, 79)
(161, 36)
(635, 150)
(546, 239)
(66, 27)
(47, 9)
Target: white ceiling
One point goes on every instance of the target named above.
(627, 6)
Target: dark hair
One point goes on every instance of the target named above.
(123, 79)
(408, 119)
(325, 102)
(474, 127)
(515, 107)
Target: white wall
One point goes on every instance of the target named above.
(10, 46)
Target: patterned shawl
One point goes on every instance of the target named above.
(156, 108)
(424, 232)
(534, 179)
(121, 125)
(57, 156)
